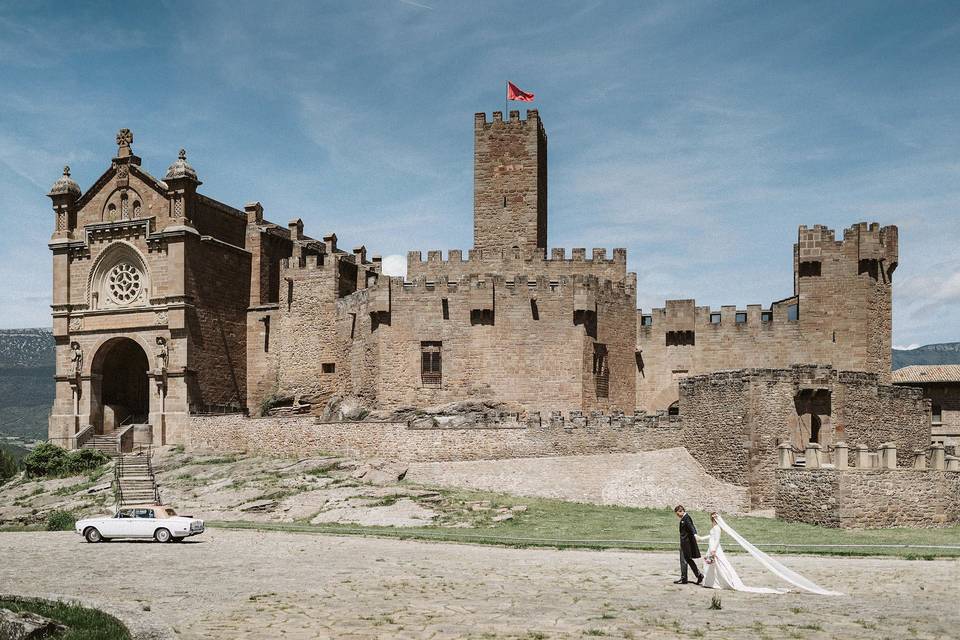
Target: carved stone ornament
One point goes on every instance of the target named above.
(161, 318)
(76, 324)
(124, 137)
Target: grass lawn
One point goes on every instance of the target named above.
(82, 623)
(555, 523)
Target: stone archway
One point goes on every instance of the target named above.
(813, 420)
(121, 389)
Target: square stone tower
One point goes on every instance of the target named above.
(509, 182)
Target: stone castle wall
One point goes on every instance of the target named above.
(529, 344)
(513, 262)
(869, 498)
(842, 297)
(734, 421)
(400, 441)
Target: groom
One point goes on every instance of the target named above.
(688, 546)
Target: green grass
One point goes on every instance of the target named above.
(82, 623)
(555, 523)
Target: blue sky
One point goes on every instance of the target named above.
(697, 135)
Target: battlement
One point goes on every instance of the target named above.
(862, 241)
(685, 315)
(533, 118)
(519, 284)
(532, 263)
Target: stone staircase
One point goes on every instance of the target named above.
(106, 443)
(135, 481)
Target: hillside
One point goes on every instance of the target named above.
(26, 383)
(942, 353)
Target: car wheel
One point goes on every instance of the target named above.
(92, 535)
(162, 535)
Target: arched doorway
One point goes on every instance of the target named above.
(121, 386)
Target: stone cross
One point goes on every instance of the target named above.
(124, 140)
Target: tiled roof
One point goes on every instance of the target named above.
(920, 373)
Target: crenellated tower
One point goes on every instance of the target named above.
(510, 182)
(844, 292)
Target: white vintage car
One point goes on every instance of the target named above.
(159, 522)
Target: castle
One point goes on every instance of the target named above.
(167, 302)
(169, 306)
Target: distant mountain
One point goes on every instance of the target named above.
(942, 353)
(26, 382)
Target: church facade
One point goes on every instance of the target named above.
(168, 303)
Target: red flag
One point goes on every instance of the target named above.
(516, 93)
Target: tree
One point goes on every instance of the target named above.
(8, 466)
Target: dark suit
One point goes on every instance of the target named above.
(688, 547)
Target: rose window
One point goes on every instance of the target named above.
(124, 282)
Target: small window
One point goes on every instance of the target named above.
(534, 310)
(766, 316)
(808, 269)
(646, 321)
(936, 414)
(793, 312)
(445, 306)
(741, 317)
(674, 409)
(329, 367)
(481, 316)
(714, 318)
(504, 202)
(431, 354)
(680, 338)
(266, 334)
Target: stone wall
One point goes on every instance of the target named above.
(398, 441)
(528, 344)
(733, 421)
(869, 498)
(842, 296)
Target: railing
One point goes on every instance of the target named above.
(217, 409)
(117, 486)
(83, 436)
(153, 476)
(883, 457)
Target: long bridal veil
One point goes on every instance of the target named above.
(782, 572)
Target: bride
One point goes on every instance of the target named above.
(720, 574)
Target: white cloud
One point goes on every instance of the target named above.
(395, 265)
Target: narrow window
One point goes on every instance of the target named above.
(289, 293)
(793, 312)
(714, 318)
(431, 354)
(741, 317)
(936, 414)
(266, 334)
(504, 202)
(766, 316)
(445, 305)
(329, 367)
(674, 409)
(601, 370)
(534, 311)
(353, 325)
(646, 321)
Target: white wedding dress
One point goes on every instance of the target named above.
(720, 574)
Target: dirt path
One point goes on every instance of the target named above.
(238, 584)
(655, 479)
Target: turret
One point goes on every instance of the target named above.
(64, 194)
(182, 186)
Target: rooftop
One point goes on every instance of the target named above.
(922, 373)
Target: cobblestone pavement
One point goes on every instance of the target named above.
(245, 584)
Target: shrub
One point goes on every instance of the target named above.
(84, 460)
(50, 460)
(8, 465)
(715, 603)
(45, 460)
(61, 521)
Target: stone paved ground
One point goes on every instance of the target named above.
(244, 584)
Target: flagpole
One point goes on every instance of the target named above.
(506, 94)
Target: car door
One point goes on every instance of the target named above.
(113, 527)
(144, 523)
